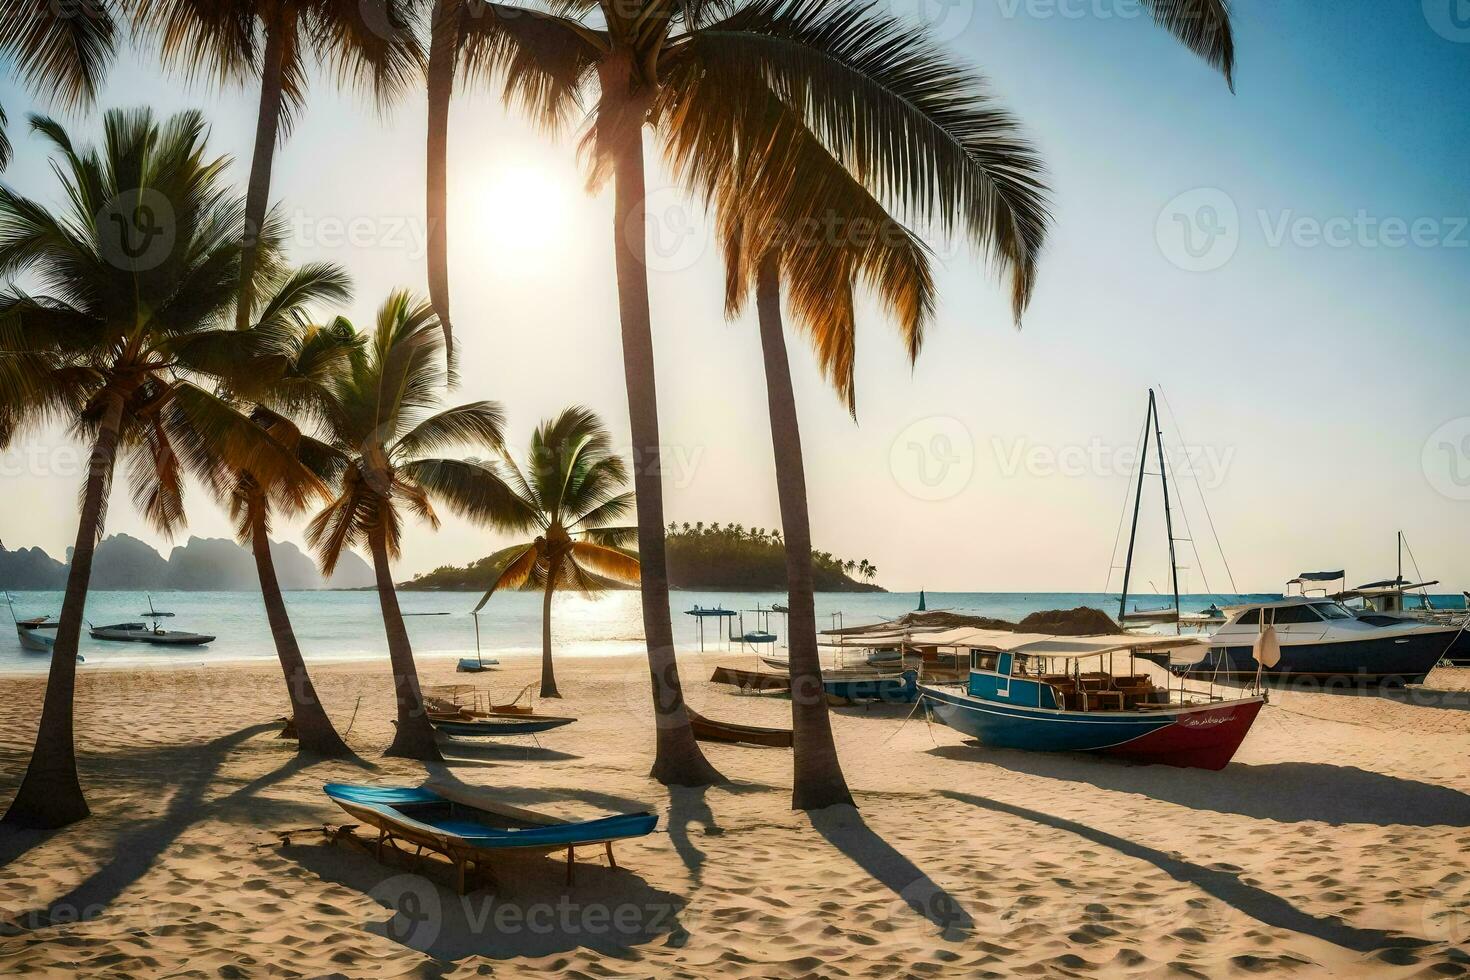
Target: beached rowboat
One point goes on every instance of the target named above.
(482, 726)
(709, 730)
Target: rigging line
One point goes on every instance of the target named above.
(1123, 515)
(1203, 502)
(1414, 561)
(1184, 512)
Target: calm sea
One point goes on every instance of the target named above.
(348, 626)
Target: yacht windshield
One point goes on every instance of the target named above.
(1332, 610)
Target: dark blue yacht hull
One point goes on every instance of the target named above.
(1402, 659)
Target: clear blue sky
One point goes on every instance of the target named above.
(1313, 350)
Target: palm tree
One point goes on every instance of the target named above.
(303, 363)
(63, 54)
(5, 148)
(573, 485)
(140, 273)
(370, 43)
(866, 86)
(382, 417)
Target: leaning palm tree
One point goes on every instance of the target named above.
(382, 417)
(370, 43)
(131, 333)
(573, 484)
(771, 196)
(62, 53)
(300, 362)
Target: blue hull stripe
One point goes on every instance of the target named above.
(1040, 729)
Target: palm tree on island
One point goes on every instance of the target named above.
(369, 43)
(125, 347)
(383, 418)
(573, 484)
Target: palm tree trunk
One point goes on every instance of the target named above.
(415, 736)
(677, 760)
(314, 730)
(267, 134)
(548, 672)
(817, 779)
(443, 57)
(51, 794)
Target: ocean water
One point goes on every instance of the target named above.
(349, 626)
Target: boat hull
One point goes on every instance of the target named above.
(896, 688)
(1388, 660)
(492, 726)
(709, 730)
(1201, 736)
(33, 640)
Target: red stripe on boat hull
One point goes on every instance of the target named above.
(1202, 739)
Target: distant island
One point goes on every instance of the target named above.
(201, 565)
(714, 557)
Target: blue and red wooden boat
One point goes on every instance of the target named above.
(1012, 701)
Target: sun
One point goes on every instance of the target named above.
(521, 216)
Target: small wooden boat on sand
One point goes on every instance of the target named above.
(467, 826)
(485, 725)
(709, 730)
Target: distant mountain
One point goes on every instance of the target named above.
(30, 568)
(124, 563)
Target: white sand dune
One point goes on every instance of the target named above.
(1338, 843)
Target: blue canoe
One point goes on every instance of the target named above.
(464, 825)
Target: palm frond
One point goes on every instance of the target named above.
(1203, 26)
(916, 127)
(63, 51)
(545, 59)
(479, 425)
(607, 562)
(472, 489)
(516, 573)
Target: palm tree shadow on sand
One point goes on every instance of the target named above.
(137, 848)
(845, 829)
(1288, 792)
(1259, 904)
(526, 909)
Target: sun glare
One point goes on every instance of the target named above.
(523, 216)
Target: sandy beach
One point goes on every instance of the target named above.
(1338, 843)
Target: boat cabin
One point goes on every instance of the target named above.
(1058, 683)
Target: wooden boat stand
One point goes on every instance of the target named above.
(467, 867)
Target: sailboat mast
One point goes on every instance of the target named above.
(1168, 515)
(1137, 505)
